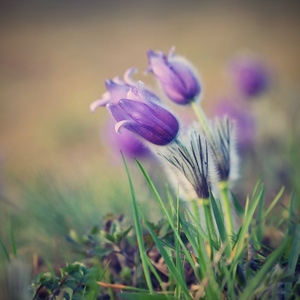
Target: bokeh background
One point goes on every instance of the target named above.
(58, 171)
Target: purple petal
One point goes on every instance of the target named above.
(133, 94)
(163, 71)
(117, 112)
(101, 102)
(128, 74)
(189, 78)
(118, 80)
(156, 119)
(157, 137)
(145, 93)
(116, 91)
(171, 52)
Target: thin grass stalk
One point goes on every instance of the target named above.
(139, 231)
(169, 219)
(209, 218)
(223, 185)
(221, 227)
(11, 234)
(172, 269)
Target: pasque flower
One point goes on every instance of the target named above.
(250, 75)
(137, 109)
(176, 76)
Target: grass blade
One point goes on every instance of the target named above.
(274, 202)
(238, 208)
(256, 185)
(221, 226)
(294, 255)
(249, 212)
(4, 250)
(169, 219)
(139, 233)
(260, 219)
(261, 274)
(11, 235)
(172, 268)
(152, 268)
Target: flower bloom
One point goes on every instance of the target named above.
(136, 109)
(176, 76)
(250, 76)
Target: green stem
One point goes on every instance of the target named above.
(209, 218)
(196, 210)
(227, 206)
(202, 118)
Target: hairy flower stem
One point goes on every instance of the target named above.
(202, 118)
(223, 185)
(208, 218)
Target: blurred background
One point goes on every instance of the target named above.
(58, 170)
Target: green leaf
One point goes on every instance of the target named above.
(294, 256)
(274, 202)
(221, 226)
(123, 234)
(260, 219)
(238, 208)
(249, 212)
(108, 236)
(11, 234)
(4, 250)
(169, 219)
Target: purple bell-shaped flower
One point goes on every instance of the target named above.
(177, 77)
(138, 110)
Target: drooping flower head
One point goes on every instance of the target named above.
(249, 75)
(176, 76)
(137, 109)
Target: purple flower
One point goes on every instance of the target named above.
(177, 77)
(245, 122)
(136, 109)
(250, 75)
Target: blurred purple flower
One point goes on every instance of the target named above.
(176, 76)
(250, 75)
(245, 121)
(130, 145)
(136, 108)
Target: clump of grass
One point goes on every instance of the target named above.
(177, 258)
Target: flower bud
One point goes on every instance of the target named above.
(136, 109)
(176, 76)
